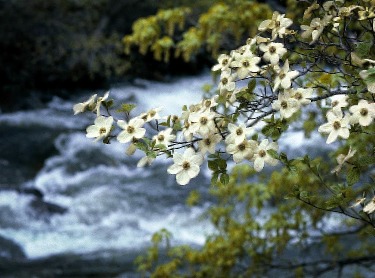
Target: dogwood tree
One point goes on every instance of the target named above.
(316, 74)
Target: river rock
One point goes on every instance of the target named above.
(9, 250)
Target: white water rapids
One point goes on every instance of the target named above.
(110, 203)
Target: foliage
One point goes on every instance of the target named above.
(315, 76)
(223, 23)
(258, 232)
(63, 44)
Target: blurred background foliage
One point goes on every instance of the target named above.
(63, 44)
(58, 46)
(224, 25)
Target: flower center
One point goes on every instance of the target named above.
(272, 49)
(336, 125)
(186, 165)
(262, 153)
(242, 146)
(207, 141)
(224, 80)
(284, 104)
(246, 64)
(224, 62)
(161, 137)
(203, 120)
(334, 103)
(298, 96)
(130, 129)
(152, 113)
(207, 103)
(315, 27)
(102, 130)
(364, 112)
(277, 23)
(282, 75)
(239, 131)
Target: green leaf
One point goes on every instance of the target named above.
(163, 124)
(214, 178)
(160, 147)
(363, 48)
(366, 160)
(304, 194)
(108, 104)
(126, 107)
(143, 146)
(273, 154)
(353, 176)
(222, 164)
(224, 178)
(212, 165)
(283, 158)
(251, 85)
(306, 160)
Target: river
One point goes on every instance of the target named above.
(62, 193)
(67, 202)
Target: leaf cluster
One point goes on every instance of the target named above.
(219, 27)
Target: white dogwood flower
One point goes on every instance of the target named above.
(339, 101)
(302, 95)
(226, 82)
(202, 123)
(242, 150)
(82, 106)
(342, 158)
(186, 165)
(99, 102)
(365, 74)
(246, 64)
(152, 114)
(100, 129)
(186, 132)
(207, 104)
(284, 77)
(209, 143)
(362, 113)
(146, 160)
(278, 24)
(314, 30)
(224, 62)
(286, 105)
(261, 156)
(370, 207)
(359, 201)
(133, 129)
(273, 52)
(164, 137)
(337, 126)
(237, 133)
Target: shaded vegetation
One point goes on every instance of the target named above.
(63, 44)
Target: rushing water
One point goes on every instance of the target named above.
(94, 197)
(110, 203)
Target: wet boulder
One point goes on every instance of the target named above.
(10, 251)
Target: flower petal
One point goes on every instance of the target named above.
(182, 178)
(174, 169)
